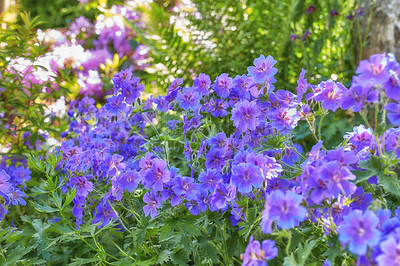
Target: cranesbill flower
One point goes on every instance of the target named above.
(375, 70)
(285, 208)
(359, 230)
(245, 115)
(390, 252)
(393, 84)
(115, 104)
(302, 85)
(393, 113)
(258, 255)
(215, 159)
(209, 179)
(129, 180)
(83, 185)
(131, 89)
(220, 109)
(246, 176)
(262, 69)
(330, 94)
(223, 85)
(189, 99)
(5, 185)
(153, 203)
(202, 84)
(157, 175)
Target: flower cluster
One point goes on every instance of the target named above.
(222, 129)
(12, 179)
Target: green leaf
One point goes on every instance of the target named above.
(163, 257)
(43, 208)
(83, 261)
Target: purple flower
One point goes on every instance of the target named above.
(157, 175)
(302, 85)
(215, 159)
(210, 178)
(83, 186)
(245, 115)
(390, 252)
(129, 180)
(392, 86)
(359, 230)
(330, 94)
(285, 208)
(306, 34)
(393, 114)
(220, 108)
(5, 186)
(104, 212)
(334, 13)
(246, 176)
(258, 255)
(223, 85)
(374, 71)
(311, 9)
(262, 69)
(131, 89)
(189, 99)
(115, 104)
(202, 84)
(284, 119)
(153, 203)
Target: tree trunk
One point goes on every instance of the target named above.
(384, 32)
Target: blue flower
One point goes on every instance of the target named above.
(359, 230)
(263, 69)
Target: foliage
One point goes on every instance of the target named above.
(221, 36)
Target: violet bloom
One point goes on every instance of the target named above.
(129, 180)
(286, 209)
(294, 37)
(246, 176)
(83, 186)
(392, 86)
(258, 255)
(359, 230)
(262, 69)
(115, 104)
(223, 85)
(302, 85)
(223, 194)
(245, 115)
(337, 179)
(221, 107)
(393, 113)
(390, 252)
(5, 186)
(215, 159)
(334, 13)
(153, 203)
(157, 175)
(330, 94)
(202, 84)
(375, 70)
(306, 34)
(189, 99)
(209, 179)
(284, 119)
(311, 9)
(104, 212)
(131, 89)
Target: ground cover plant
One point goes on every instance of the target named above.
(211, 174)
